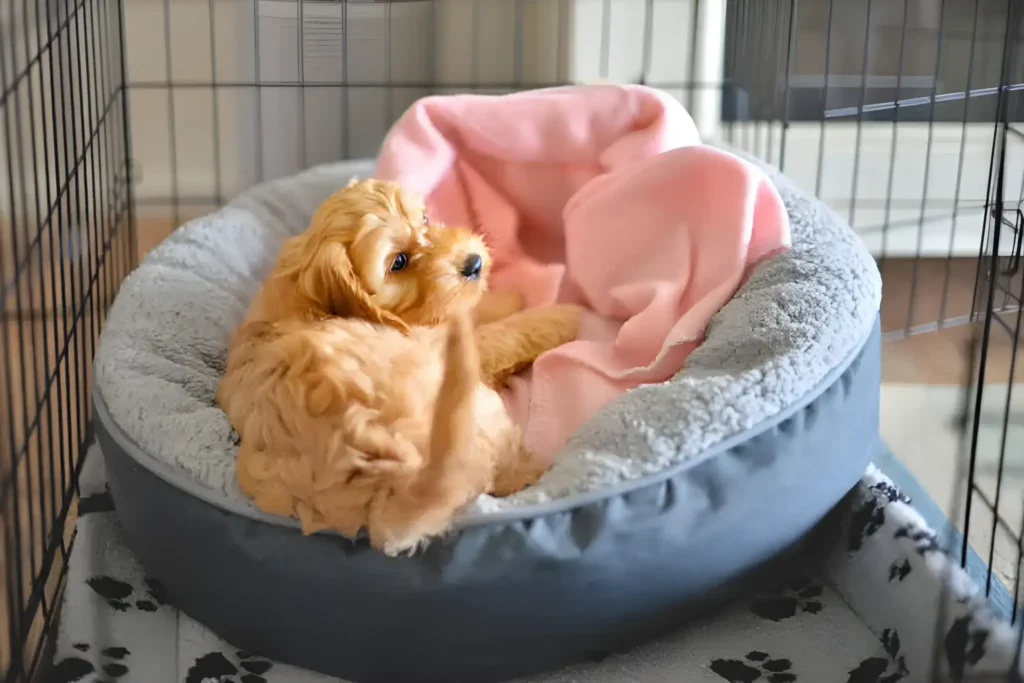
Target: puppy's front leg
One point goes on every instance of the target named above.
(495, 305)
(510, 345)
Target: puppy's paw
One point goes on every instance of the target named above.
(402, 542)
(401, 548)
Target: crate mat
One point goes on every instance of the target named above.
(863, 611)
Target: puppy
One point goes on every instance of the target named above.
(364, 396)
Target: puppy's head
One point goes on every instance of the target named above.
(371, 252)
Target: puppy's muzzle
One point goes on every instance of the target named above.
(472, 266)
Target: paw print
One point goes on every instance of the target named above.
(925, 540)
(755, 666)
(877, 670)
(869, 517)
(882, 669)
(254, 666)
(119, 594)
(74, 669)
(798, 596)
(965, 645)
(215, 666)
(899, 570)
(890, 493)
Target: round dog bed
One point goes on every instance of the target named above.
(672, 498)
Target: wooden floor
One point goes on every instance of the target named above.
(940, 288)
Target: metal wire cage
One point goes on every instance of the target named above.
(65, 244)
(903, 115)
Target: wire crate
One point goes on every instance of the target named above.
(65, 244)
(120, 119)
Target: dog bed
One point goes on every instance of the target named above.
(669, 501)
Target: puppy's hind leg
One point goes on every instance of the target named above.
(517, 471)
(260, 477)
(453, 475)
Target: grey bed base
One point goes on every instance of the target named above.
(536, 588)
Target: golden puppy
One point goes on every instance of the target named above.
(363, 395)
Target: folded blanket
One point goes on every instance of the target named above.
(601, 196)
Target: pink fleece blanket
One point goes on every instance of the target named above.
(597, 195)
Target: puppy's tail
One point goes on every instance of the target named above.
(453, 473)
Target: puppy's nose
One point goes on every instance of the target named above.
(471, 268)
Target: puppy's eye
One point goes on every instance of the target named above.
(426, 221)
(400, 262)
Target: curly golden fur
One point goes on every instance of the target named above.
(363, 394)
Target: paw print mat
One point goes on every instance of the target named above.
(865, 611)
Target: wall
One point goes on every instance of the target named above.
(227, 137)
(218, 148)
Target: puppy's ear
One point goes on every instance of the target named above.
(368, 253)
(332, 274)
(327, 277)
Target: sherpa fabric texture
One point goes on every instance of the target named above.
(163, 349)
